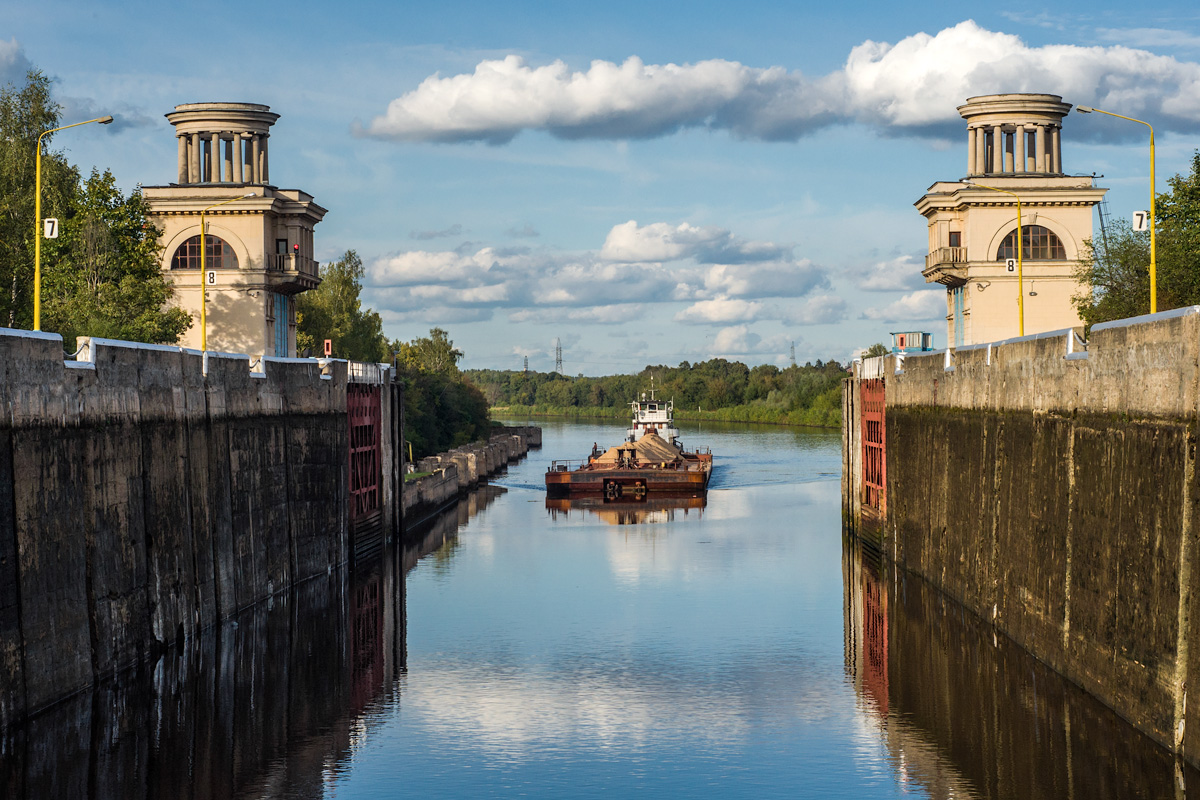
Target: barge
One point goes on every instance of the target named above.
(651, 462)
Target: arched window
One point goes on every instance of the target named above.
(1041, 244)
(219, 254)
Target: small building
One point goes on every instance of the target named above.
(258, 249)
(1014, 144)
(911, 341)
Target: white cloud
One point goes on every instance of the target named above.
(659, 241)
(817, 310)
(913, 85)
(615, 314)
(774, 279)
(924, 304)
(895, 275)
(13, 63)
(738, 339)
(720, 310)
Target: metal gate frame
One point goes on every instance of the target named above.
(874, 439)
(364, 414)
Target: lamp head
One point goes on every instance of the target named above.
(105, 120)
(248, 194)
(1084, 109)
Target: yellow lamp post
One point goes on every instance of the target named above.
(204, 275)
(1153, 273)
(1020, 261)
(37, 218)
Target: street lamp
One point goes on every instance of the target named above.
(1153, 273)
(204, 276)
(1020, 261)
(37, 219)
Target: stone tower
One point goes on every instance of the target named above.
(259, 249)
(1014, 143)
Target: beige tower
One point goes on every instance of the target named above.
(1013, 143)
(259, 249)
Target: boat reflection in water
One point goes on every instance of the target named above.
(628, 512)
(962, 711)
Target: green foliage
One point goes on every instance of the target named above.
(433, 354)
(25, 112)
(711, 390)
(877, 349)
(334, 311)
(1118, 270)
(441, 409)
(102, 276)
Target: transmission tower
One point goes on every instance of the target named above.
(526, 365)
(558, 356)
(793, 354)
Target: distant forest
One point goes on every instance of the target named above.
(715, 390)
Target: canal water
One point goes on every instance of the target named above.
(513, 647)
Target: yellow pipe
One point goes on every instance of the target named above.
(1153, 260)
(1020, 260)
(37, 218)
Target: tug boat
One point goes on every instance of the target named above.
(651, 462)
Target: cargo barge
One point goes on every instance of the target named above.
(651, 462)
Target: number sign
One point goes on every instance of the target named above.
(1141, 220)
(50, 228)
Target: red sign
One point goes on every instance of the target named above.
(328, 347)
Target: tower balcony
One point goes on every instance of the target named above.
(947, 266)
(291, 272)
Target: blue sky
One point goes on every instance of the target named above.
(648, 183)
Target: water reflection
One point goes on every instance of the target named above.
(628, 512)
(273, 703)
(964, 712)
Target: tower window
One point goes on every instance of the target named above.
(1040, 244)
(955, 238)
(219, 254)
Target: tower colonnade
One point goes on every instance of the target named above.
(1014, 134)
(223, 142)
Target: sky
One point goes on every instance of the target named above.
(643, 183)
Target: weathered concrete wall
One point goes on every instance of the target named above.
(142, 500)
(460, 469)
(1053, 492)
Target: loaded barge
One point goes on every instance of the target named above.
(650, 462)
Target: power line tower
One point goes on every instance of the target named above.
(526, 365)
(793, 354)
(558, 356)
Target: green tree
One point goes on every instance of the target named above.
(25, 113)
(334, 311)
(434, 354)
(877, 349)
(1117, 272)
(103, 275)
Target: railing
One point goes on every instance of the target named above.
(946, 255)
(291, 262)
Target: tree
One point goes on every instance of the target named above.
(1117, 274)
(103, 276)
(25, 113)
(334, 311)
(877, 349)
(434, 354)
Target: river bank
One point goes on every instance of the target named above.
(801, 418)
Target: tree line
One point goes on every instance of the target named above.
(1115, 268)
(715, 389)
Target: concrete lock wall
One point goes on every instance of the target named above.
(458, 470)
(1052, 490)
(142, 501)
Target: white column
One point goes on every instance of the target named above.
(997, 149)
(214, 157)
(183, 158)
(195, 157)
(247, 161)
(970, 149)
(1039, 149)
(236, 147)
(1056, 147)
(1019, 149)
(266, 173)
(980, 150)
(227, 160)
(255, 158)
